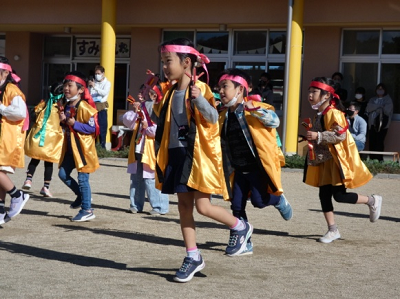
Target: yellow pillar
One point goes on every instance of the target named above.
(107, 58)
(292, 116)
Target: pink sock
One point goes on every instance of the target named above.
(239, 225)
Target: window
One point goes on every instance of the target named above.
(255, 51)
(250, 43)
(57, 46)
(370, 57)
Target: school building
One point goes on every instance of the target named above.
(45, 39)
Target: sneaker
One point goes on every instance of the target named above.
(76, 204)
(17, 204)
(46, 192)
(188, 269)
(4, 218)
(330, 236)
(238, 240)
(154, 212)
(284, 208)
(84, 215)
(375, 209)
(249, 249)
(27, 185)
(132, 210)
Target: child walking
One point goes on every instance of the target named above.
(250, 150)
(78, 117)
(188, 152)
(14, 121)
(142, 159)
(333, 163)
(45, 139)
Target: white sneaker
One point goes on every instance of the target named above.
(375, 209)
(45, 192)
(17, 204)
(4, 218)
(330, 236)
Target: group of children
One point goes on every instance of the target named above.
(182, 144)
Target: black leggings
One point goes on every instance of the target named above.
(48, 169)
(339, 194)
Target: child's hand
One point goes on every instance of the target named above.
(249, 104)
(62, 116)
(195, 91)
(312, 135)
(135, 106)
(145, 125)
(70, 121)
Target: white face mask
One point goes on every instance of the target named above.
(2, 82)
(380, 92)
(75, 97)
(98, 77)
(358, 96)
(319, 104)
(233, 101)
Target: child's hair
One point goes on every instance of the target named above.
(337, 103)
(56, 88)
(181, 41)
(356, 105)
(239, 73)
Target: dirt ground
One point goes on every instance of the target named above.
(120, 255)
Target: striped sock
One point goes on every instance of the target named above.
(14, 192)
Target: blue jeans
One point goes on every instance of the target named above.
(255, 182)
(102, 119)
(81, 188)
(158, 201)
(360, 145)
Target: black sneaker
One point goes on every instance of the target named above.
(238, 240)
(76, 204)
(188, 269)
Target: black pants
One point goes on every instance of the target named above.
(377, 142)
(339, 194)
(48, 169)
(102, 119)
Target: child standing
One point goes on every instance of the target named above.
(45, 139)
(79, 121)
(14, 122)
(250, 149)
(333, 163)
(142, 159)
(188, 152)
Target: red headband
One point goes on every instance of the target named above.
(325, 87)
(76, 79)
(236, 79)
(87, 95)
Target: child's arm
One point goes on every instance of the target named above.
(205, 108)
(16, 111)
(266, 116)
(129, 119)
(151, 131)
(334, 136)
(84, 128)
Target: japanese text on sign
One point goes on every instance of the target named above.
(90, 47)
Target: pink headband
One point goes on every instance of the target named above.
(203, 59)
(7, 67)
(236, 79)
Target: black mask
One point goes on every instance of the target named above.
(349, 112)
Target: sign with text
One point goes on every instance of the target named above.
(90, 47)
